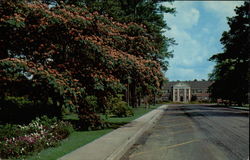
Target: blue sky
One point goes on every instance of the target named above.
(197, 27)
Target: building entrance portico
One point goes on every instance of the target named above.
(181, 93)
(175, 91)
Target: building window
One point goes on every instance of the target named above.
(198, 90)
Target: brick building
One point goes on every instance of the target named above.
(185, 91)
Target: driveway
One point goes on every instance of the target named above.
(195, 132)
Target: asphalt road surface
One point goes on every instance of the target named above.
(195, 132)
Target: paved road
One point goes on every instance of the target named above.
(195, 132)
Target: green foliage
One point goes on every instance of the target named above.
(232, 65)
(20, 102)
(89, 120)
(9, 131)
(15, 23)
(119, 108)
(91, 101)
(50, 90)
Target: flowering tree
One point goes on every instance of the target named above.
(81, 50)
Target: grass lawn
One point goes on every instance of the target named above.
(80, 138)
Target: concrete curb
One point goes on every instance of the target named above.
(239, 108)
(119, 152)
(115, 144)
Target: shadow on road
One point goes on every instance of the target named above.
(206, 111)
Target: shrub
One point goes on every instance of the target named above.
(12, 106)
(9, 131)
(193, 98)
(89, 120)
(119, 108)
(37, 135)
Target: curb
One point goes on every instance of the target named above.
(115, 144)
(242, 109)
(119, 152)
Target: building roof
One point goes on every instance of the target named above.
(181, 85)
(192, 84)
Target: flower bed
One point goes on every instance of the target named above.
(18, 140)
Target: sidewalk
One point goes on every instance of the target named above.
(113, 145)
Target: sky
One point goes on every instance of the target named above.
(196, 27)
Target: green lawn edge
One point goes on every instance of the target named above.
(80, 138)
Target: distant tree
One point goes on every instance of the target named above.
(231, 73)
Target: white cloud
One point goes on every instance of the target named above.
(186, 16)
(188, 52)
(184, 74)
(197, 28)
(222, 8)
(205, 30)
(210, 68)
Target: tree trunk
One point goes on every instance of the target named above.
(139, 99)
(133, 95)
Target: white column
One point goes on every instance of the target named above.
(185, 95)
(173, 95)
(178, 95)
(189, 94)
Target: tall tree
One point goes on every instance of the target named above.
(95, 53)
(231, 72)
(150, 14)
